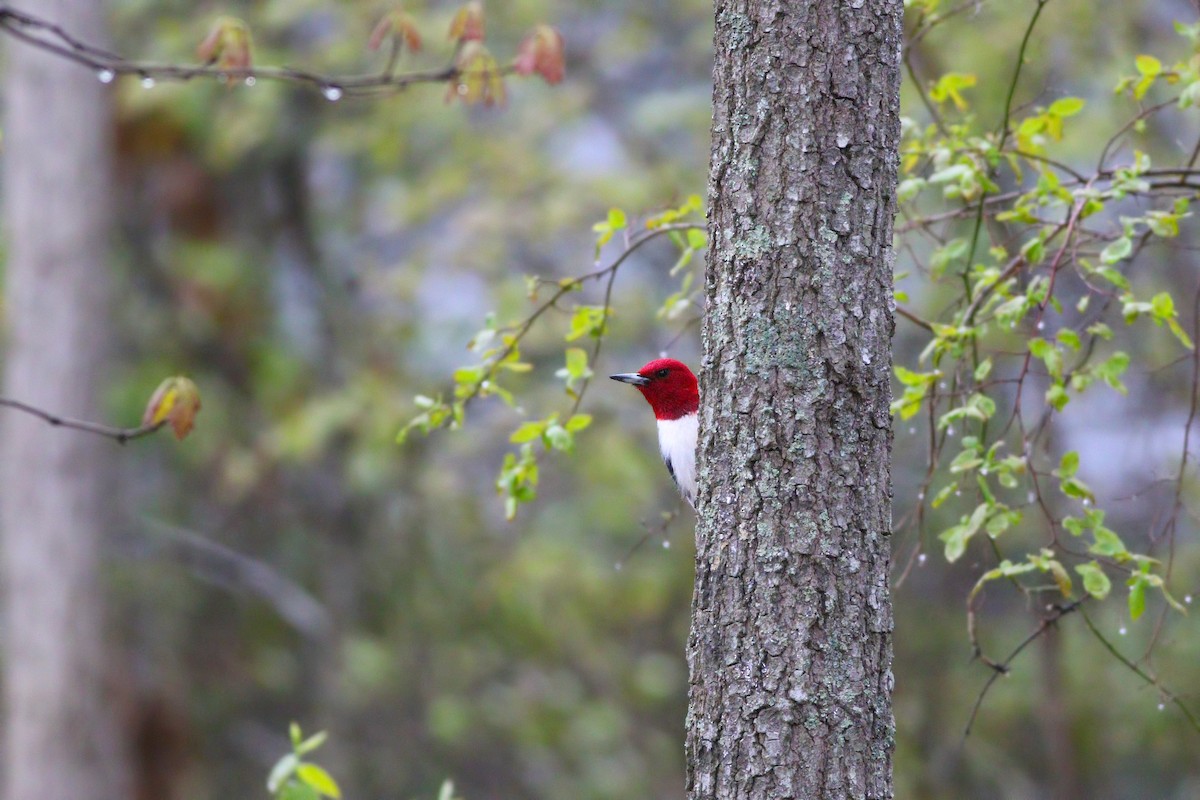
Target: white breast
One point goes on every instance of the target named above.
(677, 441)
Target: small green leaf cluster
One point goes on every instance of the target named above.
(615, 222)
(294, 778)
(1039, 286)
(690, 238)
(499, 350)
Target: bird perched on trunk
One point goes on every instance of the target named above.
(672, 391)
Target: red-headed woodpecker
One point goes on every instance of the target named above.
(671, 389)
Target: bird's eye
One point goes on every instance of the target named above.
(662, 373)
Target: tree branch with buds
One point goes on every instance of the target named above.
(226, 54)
(175, 402)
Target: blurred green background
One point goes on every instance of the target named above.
(314, 265)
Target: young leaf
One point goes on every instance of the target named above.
(228, 45)
(578, 422)
(1117, 250)
(283, 770)
(1137, 596)
(318, 779)
(176, 401)
(400, 27)
(1066, 106)
(1095, 582)
(541, 51)
(467, 24)
(1068, 465)
(478, 78)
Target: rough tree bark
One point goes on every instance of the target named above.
(60, 741)
(790, 651)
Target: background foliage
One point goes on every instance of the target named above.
(314, 266)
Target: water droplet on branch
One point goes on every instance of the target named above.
(332, 93)
(106, 76)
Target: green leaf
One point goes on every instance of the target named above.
(956, 538)
(1095, 581)
(1057, 397)
(527, 432)
(1070, 338)
(943, 494)
(295, 790)
(1073, 487)
(1034, 251)
(588, 321)
(284, 768)
(1180, 333)
(1162, 306)
(1108, 544)
(1137, 597)
(1049, 353)
(910, 378)
(557, 437)
(578, 422)
(577, 362)
(311, 743)
(948, 86)
(320, 780)
(1148, 65)
(468, 375)
(1068, 465)
(1066, 106)
(983, 370)
(1117, 250)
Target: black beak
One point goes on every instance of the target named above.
(630, 377)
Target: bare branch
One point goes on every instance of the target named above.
(119, 435)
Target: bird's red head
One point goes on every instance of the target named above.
(668, 385)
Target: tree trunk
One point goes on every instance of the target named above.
(60, 740)
(790, 650)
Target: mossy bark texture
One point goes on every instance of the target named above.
(790, 650)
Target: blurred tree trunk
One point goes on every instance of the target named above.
(61, 741)
(790, 650)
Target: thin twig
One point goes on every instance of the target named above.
(119, 435)
(1003, 667)
(1166, 693)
